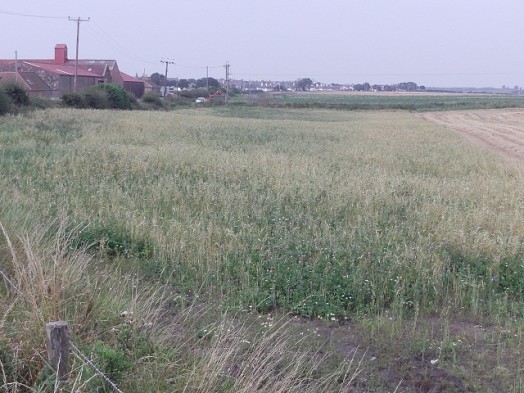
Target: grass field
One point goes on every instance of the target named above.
(380, 227)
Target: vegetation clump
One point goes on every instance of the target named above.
(13, 98)
(103, 96)
(152, 99)
(16, 93)
(73, 100)
(5, 103)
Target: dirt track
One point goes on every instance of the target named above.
(500, 130)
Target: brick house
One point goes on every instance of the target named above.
(51, 78)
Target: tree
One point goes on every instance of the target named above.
(362, 86)
(409, 86)
(183, 83)
(203, 82)
(304, 84)
(157, 78)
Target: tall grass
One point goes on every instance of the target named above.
(350, 212)
(134, 336)
(324, 214)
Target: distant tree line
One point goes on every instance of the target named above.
(404, 86)
(159, 79)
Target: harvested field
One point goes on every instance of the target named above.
(500, 130)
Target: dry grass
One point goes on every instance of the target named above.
(171, 349)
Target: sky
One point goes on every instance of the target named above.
(435, 43)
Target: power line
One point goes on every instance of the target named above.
(31, 15)
(106, 39)
(199, 67)
(102, 36)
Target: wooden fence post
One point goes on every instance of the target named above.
(58, 348)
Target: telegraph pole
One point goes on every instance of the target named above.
(207, 79)
(77, 20)
(16, 66)
(165, 76)
(227, 80)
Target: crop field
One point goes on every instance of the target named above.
(412, 101)
(276, 249)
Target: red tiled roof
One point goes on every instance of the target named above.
(63, 69)
(96, 68)
(85, 67)
(129, 78)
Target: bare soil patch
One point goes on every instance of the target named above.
(499, 130)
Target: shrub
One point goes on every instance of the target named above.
(16, 93)
(5, 103)
(73, 100)
(195, 93)
(96, 98)
(42, 103)
(132, 100)
(152, 98)
(102, 96)
(117, 96)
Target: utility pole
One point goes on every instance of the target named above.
(207, 79)
(165, 76)
(77, 20)
(16, 66)
(227, 80)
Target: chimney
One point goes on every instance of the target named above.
(60, 54)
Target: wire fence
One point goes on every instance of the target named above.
(72, 345)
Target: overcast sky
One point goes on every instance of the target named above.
(444, 43)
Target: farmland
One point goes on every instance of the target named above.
(412, 101)
(383, 235)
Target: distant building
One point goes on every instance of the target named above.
(51, 78)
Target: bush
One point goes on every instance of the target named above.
(195, 93)
(152, 98)
(96, 98)
(16, 93)
(117, 96)
(132, 100)
(102, 96)
(73, 100)
(5, 103)
(42, 103)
